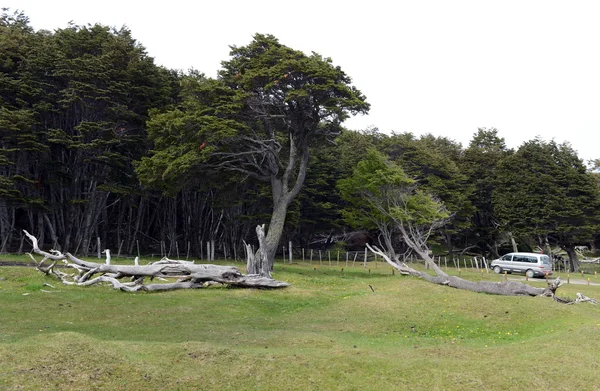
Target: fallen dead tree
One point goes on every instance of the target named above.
(383, 195)
(505, 288)
(187, 275)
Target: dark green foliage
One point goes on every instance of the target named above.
(434, 163)
(186, 136)
(317, 209)
(72, 112)
(381, 195)
(486, 150)
(544, 190)
(370, 191)
(80, 106)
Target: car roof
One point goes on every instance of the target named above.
(520, 253)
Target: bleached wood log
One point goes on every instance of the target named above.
(189, 275)
(584, 299)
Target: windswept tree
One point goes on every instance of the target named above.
(257, 120)
(381, 195)
(432, 161)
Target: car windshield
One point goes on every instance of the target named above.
(545, 259)
(507, 257)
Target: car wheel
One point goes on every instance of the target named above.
(497, 269)
(529, 273)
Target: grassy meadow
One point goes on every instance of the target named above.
(329, 331)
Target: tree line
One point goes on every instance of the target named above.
(96, 140)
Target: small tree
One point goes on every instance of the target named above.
(432, 161)
(380, 195)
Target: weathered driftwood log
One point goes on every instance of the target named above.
(188, 274)
(505, 288)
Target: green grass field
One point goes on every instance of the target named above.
(329, 331)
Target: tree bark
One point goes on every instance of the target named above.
(4, 226)
(275, 231)
(258, 263)
(386, 233)
(573, 258)
(284, 189)
(513, 242)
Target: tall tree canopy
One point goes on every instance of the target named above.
(479, 162)
(259, 118)
(73, 104)
(544, 192)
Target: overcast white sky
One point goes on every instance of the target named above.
(526, 67)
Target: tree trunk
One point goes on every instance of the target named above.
(283, 194)
(450, 245)
(573, 259)
(513, 242)
(544, 244)
(139, 216)
(275, 230)
(4, 226)
(386, 234)
(593, 248)
(52, 231)
(506, 288)
(258, 263)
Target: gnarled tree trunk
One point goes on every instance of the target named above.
(258, 263)
(573, 258)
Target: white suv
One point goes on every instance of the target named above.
(532, 264)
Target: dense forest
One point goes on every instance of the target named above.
(97, 141)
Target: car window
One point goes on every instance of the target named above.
(525, 258)
(545, 259)
(506, 257)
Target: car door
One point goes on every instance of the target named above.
(506, 262)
